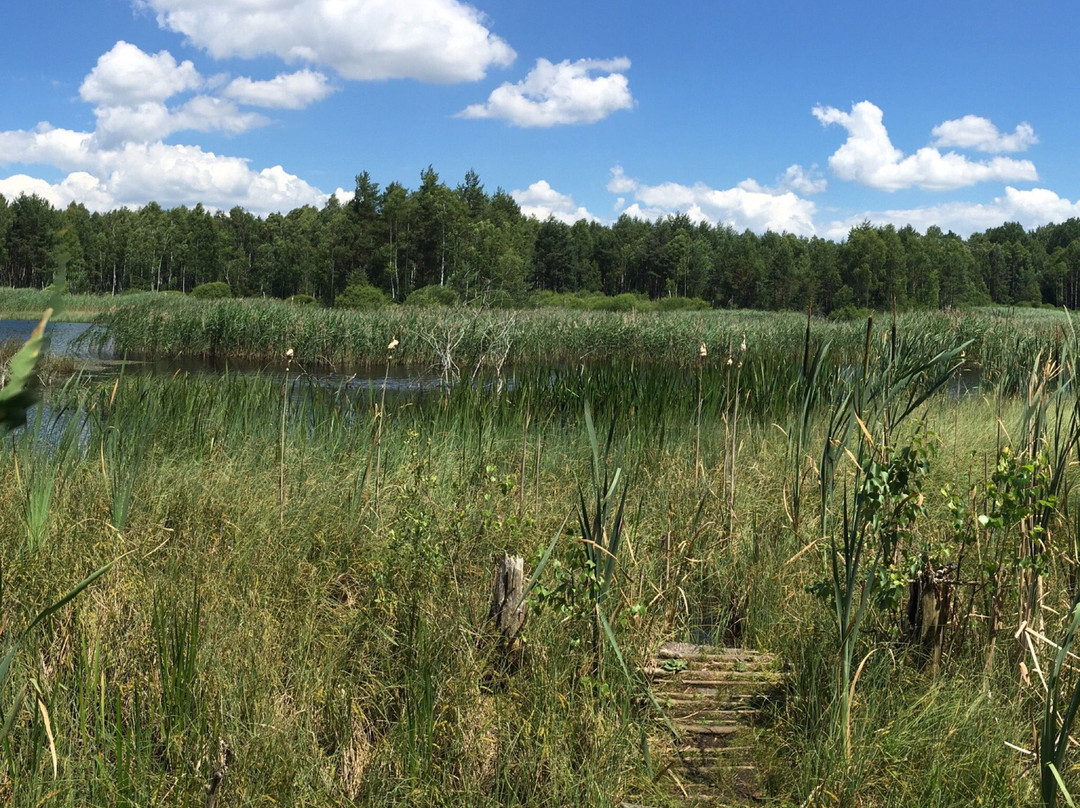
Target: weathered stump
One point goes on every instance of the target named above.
(929, 611)
(507, 611)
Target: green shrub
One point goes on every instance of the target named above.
(624, 302)
(302, 300)
(848, 313)
(682, 304)
(433, 295)
(216, 290)
(360, 296)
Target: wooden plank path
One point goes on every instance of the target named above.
(712, 696)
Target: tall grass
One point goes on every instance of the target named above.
(321, 647)
(260, 330)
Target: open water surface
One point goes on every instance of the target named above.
(82, 342)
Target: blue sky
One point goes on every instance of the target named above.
(794, 116)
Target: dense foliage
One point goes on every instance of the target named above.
(480, 244)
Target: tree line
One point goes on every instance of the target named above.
(481, 246)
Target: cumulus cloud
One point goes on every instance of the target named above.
(796, 179)
(748, 205)
(155, 121)
(1031, 208)
(286, 91)
(124, 161)
(133, 174)
(127, 76)
(563, 93)
(429, 40)
(803, 181)
(869, 157)
(619, 183)
(973, 132)
(130, 89)
(541, 200)
(76, 187)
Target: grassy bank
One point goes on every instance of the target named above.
(30, 304)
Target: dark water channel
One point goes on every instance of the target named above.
(82, 342)
(92, 360)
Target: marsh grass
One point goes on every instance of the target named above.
(323, 649)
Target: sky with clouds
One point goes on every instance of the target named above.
(791, 116)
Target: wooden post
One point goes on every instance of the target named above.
(929, 611)
(507, 610)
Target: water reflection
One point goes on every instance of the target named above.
(94, 357)
(75, 340)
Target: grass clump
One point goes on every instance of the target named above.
(361, 296)
(215, 290)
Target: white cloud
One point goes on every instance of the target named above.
(205, 114)
(803, 181)
(563, 93)
(154, 121)
(286, 91)
(130, 88)
(48, 145)
(748, 205)
(1031, 208)
(541, 200)
(124, 161)
(127, 76)
(76, 187)
(619, 182)
(869, 157)
(429, 40)
(133, 174)
(973, 132)
(343, 197)
(796, 179)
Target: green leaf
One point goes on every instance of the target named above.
(1061, 784)
(18, 395)
(543, 560)
(79, 587)
(13, 711)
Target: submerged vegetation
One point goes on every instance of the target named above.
(297, 613)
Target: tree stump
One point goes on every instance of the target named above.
(929, 610)
(507, 609)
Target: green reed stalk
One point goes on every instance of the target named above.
(883, 394)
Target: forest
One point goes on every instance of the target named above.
(481, 246)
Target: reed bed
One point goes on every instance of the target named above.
(261, 331)
(298, 610)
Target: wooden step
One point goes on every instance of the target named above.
(712, 698)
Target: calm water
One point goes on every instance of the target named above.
(66, 339)
(78, 340)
